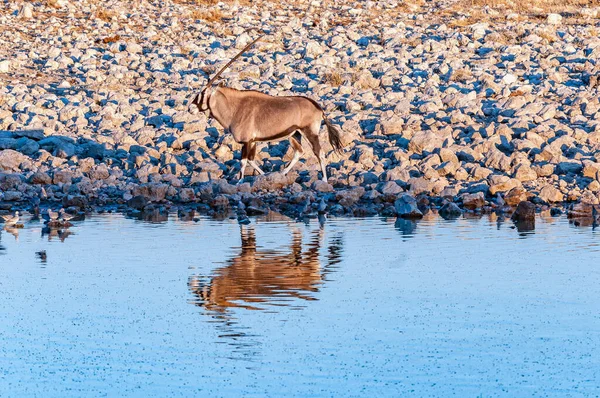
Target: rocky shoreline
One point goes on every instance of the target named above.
(437, 113)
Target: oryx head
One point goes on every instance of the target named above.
(201, 100)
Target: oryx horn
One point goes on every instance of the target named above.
(211, 81)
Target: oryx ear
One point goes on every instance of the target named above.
(221, 83)
(196, 100)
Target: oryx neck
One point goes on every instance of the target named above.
(222, 106)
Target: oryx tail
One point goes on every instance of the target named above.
(333, 133)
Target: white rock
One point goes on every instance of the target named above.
(4, 66)
(134, 48)
(313, 49)
(242, 40)
(554, 19)
(509, 78)
(26, 11)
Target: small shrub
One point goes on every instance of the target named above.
(333, 78)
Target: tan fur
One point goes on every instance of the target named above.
(252, 116)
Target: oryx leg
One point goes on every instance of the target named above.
(296, 142)
(244, 161)
(251, 156)
(312, 134)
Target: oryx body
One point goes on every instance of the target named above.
(252, 116)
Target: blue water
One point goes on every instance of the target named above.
(351, 307)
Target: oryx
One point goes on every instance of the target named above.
(251, 117)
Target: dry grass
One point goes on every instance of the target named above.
(52, 3)
(197, 2)
(105, 15)
(490, 10)
(500, 37)
(411, 6)
(333, 78)
(517, 93)
(212, 15)
(248, 75)
(549, 36)
(532, 6)
(462, 75)
(111, 39)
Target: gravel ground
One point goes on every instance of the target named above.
(440, 108)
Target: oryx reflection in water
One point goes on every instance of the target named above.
(265, 279)
(256, 277)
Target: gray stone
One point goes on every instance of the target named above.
(406, 207)
(525, 211)
(450, 210)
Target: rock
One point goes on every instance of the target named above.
(4, 66)
(62, 177)
(322, 186)
(554, 19)
(550, 194)
(187, 195)
(525, 211)
(568, 168)
(500, 183)
(26, 11)
(62, 147)
(10, 181)
(447, 155)
(509, 79)
(525, 173)
(270, 182)
(80, 202)
(12, 196)
(226, 188)
(152, 191)
(582, 210)
(138, 202)
(11, 160)
(220, 203)
(419, 185)
(515, 196)
(473, 201)
(99, 173)
(450, 211)
(40, 178)
(349, 197)
(424, 141)
(497, 160)
(406, 207)
(389, 188)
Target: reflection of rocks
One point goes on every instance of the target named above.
(150, 213)
(525, 225)
(406, 227)
(266, 276)
(584, 214)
